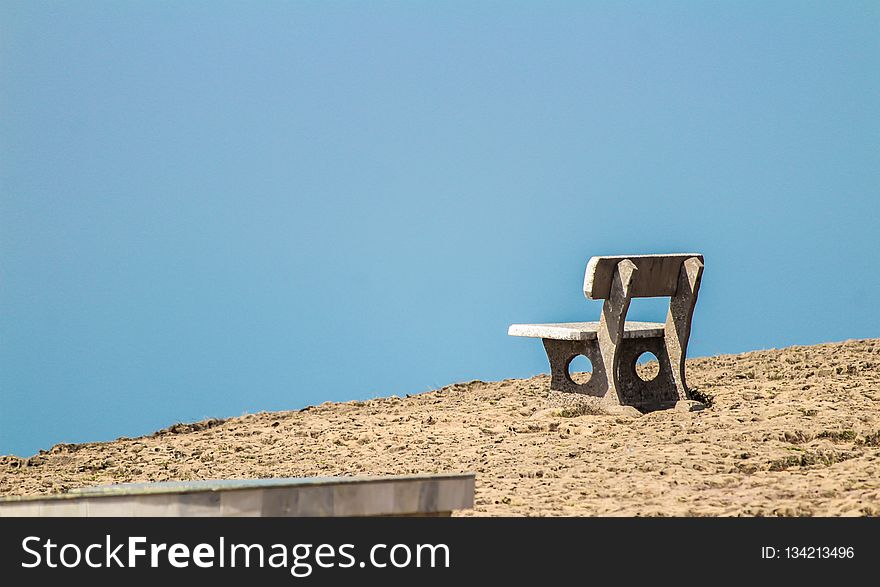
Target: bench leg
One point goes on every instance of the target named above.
(603, 352)
(560, 354)
(658, 393)
(678, 321)
(611, 325)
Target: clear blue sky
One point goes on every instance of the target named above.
(212, 208)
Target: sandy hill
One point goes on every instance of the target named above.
(788, 432)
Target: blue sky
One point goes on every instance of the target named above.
(214, 208)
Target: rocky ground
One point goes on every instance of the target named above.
(788, 432)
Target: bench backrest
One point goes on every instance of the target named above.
(655, 276)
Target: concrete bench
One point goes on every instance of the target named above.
(613, 345)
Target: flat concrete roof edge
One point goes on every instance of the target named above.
(218, 485)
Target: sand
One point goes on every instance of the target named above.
(788, 432)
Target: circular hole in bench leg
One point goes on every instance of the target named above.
(647, 366)
(580, 369)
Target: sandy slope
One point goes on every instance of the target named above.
(790, 432)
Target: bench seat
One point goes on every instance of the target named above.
(583, 330)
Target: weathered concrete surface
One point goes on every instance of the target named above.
(425, 495)
(678, 321)
(583, 330)
(613, 345)
(611, 325)
(657, 274)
